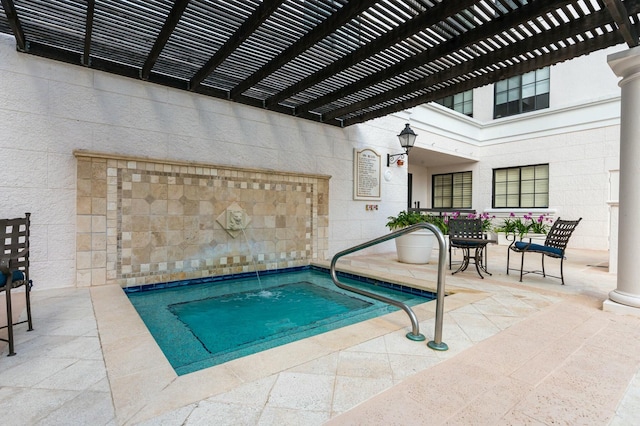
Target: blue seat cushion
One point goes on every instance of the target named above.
(458, 243)
(538, 248)
(15, 276)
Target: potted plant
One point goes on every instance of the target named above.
(537, 227)
(521, 227)
(509, 226)
(415, 247)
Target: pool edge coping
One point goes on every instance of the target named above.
(144, 390)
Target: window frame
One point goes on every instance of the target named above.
(521, 193)
(463, 99)
(469, 190)
(532, 94)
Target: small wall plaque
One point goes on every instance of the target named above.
(366, 174)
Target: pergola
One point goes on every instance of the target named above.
(338, 62)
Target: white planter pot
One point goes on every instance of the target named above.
(416, 247)
(503, 240)
(535, 238)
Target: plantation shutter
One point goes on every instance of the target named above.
(541, 198)
(521, 187)
(452, 190)
(462, 190)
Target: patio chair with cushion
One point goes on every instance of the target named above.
(554, 246)
(467, 234)
(14, 269)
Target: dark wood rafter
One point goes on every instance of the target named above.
(14, 23)
(620, 15)
(88, 27)
(553, 57)
(335, 21)
(498, 59)
(256, 19)
(447, 48)
(339, 62)
(167, 29)
(411, 27)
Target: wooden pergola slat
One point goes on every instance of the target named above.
(339, 62)
(335, 21)
(14, 22)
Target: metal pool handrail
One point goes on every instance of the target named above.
(437, 342)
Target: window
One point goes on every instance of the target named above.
(521, 187)
(451, 191)
(522, 93)
(461, 102)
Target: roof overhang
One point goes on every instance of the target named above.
(338, 62)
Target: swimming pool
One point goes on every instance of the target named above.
(220, 319)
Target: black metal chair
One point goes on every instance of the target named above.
(554, 246)
(467, 234)
(14, 268)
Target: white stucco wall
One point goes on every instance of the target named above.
(578, 135)
(581, 146)
(575, 82)
(48, 109)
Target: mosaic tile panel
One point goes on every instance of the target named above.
(141, 221)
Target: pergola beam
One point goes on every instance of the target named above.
(14, 23)
(320, 31)
(245, 30)
(583, 48)
(167, 29)
(88, 28)
(411, 27)
(498, 59)
(619, 13)
(528, 12)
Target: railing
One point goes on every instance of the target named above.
(440, 212)
(436, 343)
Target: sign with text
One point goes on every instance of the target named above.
(366, 175)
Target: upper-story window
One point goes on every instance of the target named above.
(451, 191)
(521, 187)
(461, 102)
(522, 93)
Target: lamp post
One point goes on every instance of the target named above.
(407, 139)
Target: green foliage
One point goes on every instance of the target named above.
(526, 224)
(404, 219)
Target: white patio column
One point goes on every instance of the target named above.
(626, 297)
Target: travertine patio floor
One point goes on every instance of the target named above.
(519, 353)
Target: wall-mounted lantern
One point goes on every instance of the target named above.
(407, 139)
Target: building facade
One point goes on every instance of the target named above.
(576, 138)
(55, 110)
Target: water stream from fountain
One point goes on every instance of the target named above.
(263, 292)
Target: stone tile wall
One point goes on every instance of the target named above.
(143, 221)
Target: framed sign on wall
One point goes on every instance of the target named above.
(366, 174)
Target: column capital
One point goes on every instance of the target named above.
(625, 64)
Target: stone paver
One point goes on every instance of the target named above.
(532, 352)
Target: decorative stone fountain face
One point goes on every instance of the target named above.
(143, 221)
(234, 219)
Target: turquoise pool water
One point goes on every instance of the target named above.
(205, 324)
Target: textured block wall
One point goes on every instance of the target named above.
(49, 109)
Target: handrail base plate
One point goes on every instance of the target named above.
(416, 337)
(438, 346)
